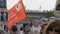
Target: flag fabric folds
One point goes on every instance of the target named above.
(16, 14)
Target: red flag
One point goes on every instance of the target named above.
(16, 14)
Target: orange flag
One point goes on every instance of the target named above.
(16, 14)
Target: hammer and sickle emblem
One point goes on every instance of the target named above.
(18, 6)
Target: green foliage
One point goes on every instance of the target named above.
(49, 14)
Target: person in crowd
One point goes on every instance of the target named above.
(26, 28)
(5, 28)
(2, 18)
(4, 15)
(35, 29)
(43, 29)
(30, 23)
(20, 28)
(40, 21)
(21, 31)
(53, 27)
(1, 30)
(14, 29)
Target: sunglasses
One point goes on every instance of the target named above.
(56, 30)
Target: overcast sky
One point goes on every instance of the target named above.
(36, 4)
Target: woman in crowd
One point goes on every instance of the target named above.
(43, 29)
(53, 27)
(35, 29)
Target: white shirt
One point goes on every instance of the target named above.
(1, 28)
(19, 26)
(35, 30)
(21, 32)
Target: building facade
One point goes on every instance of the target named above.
(57, 8)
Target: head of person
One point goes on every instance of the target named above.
(35, 23)
(14, 29)
(27, 24)
(54, 27)
(43, 28)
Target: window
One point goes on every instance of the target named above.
(58, 7)
(4, 16)
(2, 3)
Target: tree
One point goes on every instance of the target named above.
(49, 14)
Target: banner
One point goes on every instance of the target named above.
(16, 13)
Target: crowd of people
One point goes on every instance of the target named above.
(50, 27)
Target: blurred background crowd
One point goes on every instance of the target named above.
(35, 27)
